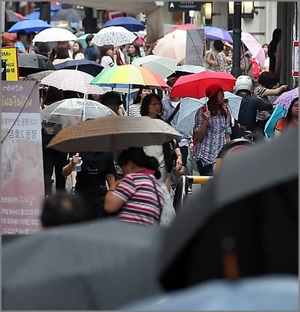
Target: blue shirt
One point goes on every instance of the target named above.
(91, 53)
(20, 46)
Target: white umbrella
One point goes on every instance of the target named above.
(163, 66)
(115, 35)
(73, 111)
(73, 80)
(254, 47)
(54, 34)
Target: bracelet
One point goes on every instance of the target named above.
(179, 155)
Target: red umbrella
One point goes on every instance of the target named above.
(182, 27)
(194, 85)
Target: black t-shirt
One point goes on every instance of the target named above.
(95, 166)
(248, 110)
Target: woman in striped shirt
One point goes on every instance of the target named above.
(137, 197)
(135, 108)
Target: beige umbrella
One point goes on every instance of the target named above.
(54, 34)
(113, 133)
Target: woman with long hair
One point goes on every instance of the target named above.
(274, 52)
(152, 107)
(77, 51)
(291, 118)
(135, 108)
(137, 197)
(211, 130)
(61, 54)
(134, 52)
(107, 56)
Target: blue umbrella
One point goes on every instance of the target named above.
(279, 112)
(216, 33)
(29, 26)
(130, 23)
(36, 15)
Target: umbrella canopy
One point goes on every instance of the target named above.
(113, 133)
(30, 63)
(216, 33)
(182, 27)
(39, 76)
(8, 39)
(36, 25)
(127, 76)
(172, 45)
(90, 67)
(70, 15)
(186, 69)
(163, 66)
(14, 16)
(73, 111)
(286, 98)
(54, 34)
(128, 22)
(254, 47)
(72, 80)
(195, 85)
(97, 266)
(115, 35)
(36, 15)
(82, 38)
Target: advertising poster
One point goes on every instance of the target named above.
(194, 47)
(10, 61)
(22, 160)
(296, 59)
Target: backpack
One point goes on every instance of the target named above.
(255, 68)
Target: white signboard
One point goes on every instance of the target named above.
(194, 47)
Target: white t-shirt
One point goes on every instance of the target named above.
(107, 61)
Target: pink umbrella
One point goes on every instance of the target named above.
(286, 98)
(182, 27)
(254, 47)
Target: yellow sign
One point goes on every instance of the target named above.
(9, 64)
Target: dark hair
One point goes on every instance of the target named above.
(139, 158)
(61, 52)
(53, 95)
(146, 103)
(111, 98)
(104, 49)
(218, 45)
(214, 106)
(137, 50)
(289, 114)
(88, 39)
(21, 33)
(42, 48)
(267, 79)
(64, 208)
(80, 49)
(138, 97)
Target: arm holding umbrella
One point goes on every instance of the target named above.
(200, 133)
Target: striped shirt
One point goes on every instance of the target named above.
(208, 148)
(141, 200)
(134, 110)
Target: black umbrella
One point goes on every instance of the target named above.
(89, 266)
(68, 15)
(247, 216)
(30, 63)
(87, 66)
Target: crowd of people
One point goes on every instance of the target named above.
(135, 193)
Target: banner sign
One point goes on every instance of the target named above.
(194, 47)
(22, 160)
(296, 59)
(185, 6)
(9, 59)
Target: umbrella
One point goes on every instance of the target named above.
(128, 76)
(182, 27)
(216, 33)
(54, 34)
(187, 69)
(73, 111)
(195, 85)
(14, 16)
(128, 22)
(30, 63)
(8, 39)
(72, 80)
(68, 15)
(189, 107)
(278, 112)
(113, 133)
(163, 66)
(87, 66)
(264, 293)
(172, 45)
(82, 38)
(286, 98)
(39, 76)
(97, 266)
(36, 15)
(254, 47)
(115, 35)
(29, 26)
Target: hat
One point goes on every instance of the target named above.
(212, 90)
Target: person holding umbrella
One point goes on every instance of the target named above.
(211, 131)
(21, 43)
